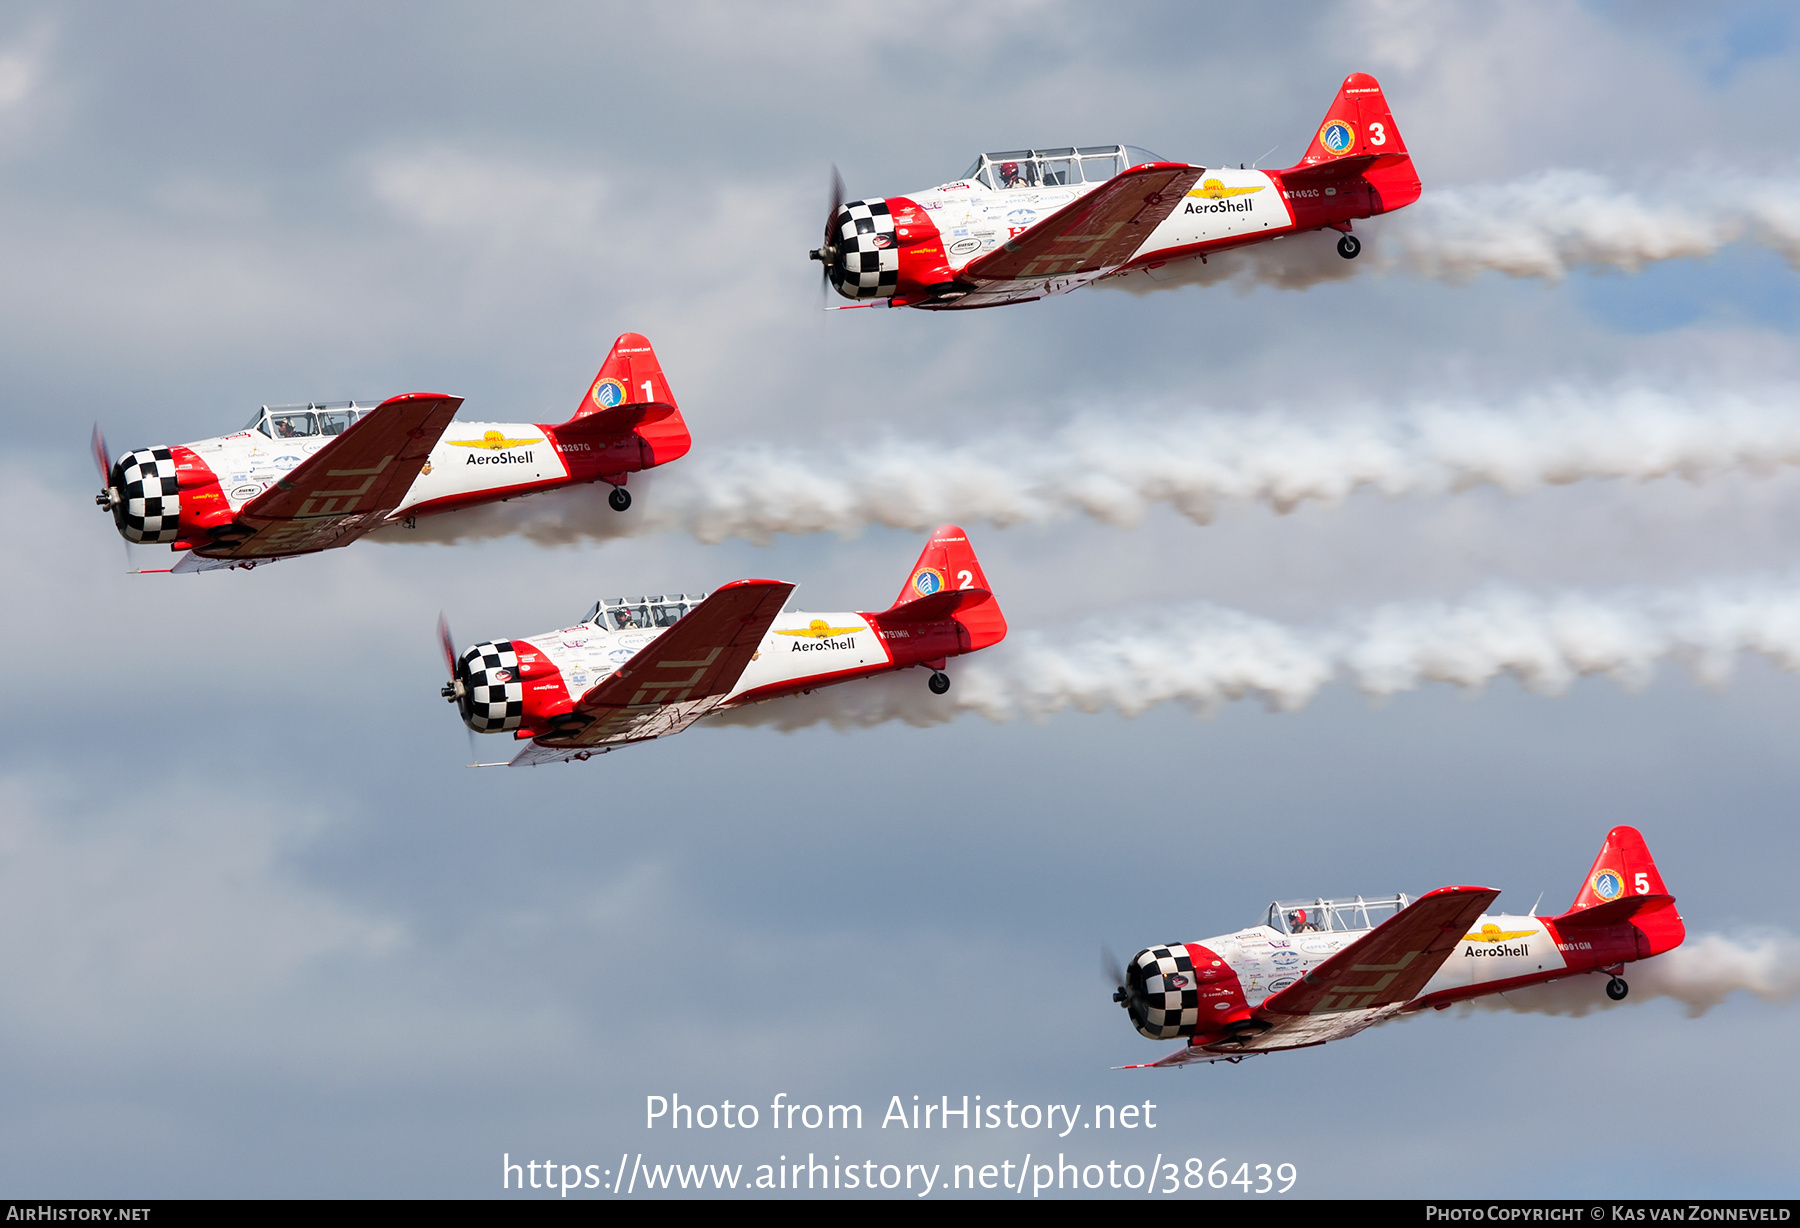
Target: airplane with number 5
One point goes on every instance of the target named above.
(1029, 223)
(646, 667)
(303, 478)
(1321, 970)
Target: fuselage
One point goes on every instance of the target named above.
(472, 463)
(1234, 973)
(937, 232)
(800, 652)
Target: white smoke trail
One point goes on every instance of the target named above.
(1114, 470)
(1203, 657)
(1544, 226)
(1701, 973)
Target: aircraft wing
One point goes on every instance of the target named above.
(346, 488)
(1369, 980)
(676, 679)
(1100, 231)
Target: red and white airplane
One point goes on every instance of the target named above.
(1320, 970)
(302, 478)
(1029, 223)
(647, 667)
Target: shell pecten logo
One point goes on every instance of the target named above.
(494, 441)
(1215, 189)
(1493, 933)
(820, 630)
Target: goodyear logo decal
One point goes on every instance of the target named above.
(1607, 884)
(820, 630)
(493, 441)
(608, 393)
(1493, 933)
(1337, 137)
(928, 580)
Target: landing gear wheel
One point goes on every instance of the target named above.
(620, 498)
(940, 682)
(1616, 989)
(1349, 246)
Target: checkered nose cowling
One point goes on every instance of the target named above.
(1165, 1001)
(146, 499)
(868, 251)
(493, 698)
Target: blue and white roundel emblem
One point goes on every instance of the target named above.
(1021, 217)
(608, 393)
(1608, 885)
(929, 580)
(1337, 137)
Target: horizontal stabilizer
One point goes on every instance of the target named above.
(936, 607)
(614, 421)
(1615, 913)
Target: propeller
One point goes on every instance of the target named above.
(1114, 972)
(102, 458)
(448, 645)
(826, 254)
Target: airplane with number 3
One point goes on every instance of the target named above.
(1321, 970)
(303, 478)
(1029, 223)
(646, 667)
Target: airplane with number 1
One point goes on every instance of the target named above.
(303, 478)
(1321, 970)
(1029, 223)
(646, 667)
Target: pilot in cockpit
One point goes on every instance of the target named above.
(625, 618)
(1010, 176)
(1297, 922)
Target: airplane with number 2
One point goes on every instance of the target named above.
(646, 667)
(1029, 223)
(1321, 970)
(303, 478)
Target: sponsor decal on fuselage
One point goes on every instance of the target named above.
(1492, 948)
(494, 441)
(498, 458)
(1493, 933)
(1222, 206)
(848, 641)
(963, 247)
(819, 629)
(1214, 189)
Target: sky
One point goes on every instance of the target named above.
(1517, 487)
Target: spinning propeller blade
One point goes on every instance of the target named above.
(826, 254)
(102, 458)
(447, 644)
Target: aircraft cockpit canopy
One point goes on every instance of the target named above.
(1333, 915)
(638, 613)
(309, 419)
(1056, 168)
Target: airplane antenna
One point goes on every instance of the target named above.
(1539, 900)
(1271, 149)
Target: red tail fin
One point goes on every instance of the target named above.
(1359, 123)
(948, 564)
(1623, 868)
(630, 376)
(1623, 875)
